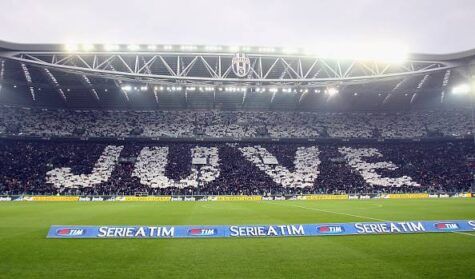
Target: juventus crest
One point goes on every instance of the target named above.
(241, 65)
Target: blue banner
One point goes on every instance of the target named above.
(360, 228)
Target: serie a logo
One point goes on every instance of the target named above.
(241, 65)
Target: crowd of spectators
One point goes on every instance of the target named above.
(40, 167)
(233, 124)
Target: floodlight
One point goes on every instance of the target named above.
(152, 47)
(143, 88)
(212, 48)
(461, 89)
(234, 48)
(266, 49)
(168, 47)
(289, 50)
(332, 91)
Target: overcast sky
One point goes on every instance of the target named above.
(431, 26)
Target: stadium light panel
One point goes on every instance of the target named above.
(372, 51)
(87, 47)
(152, 47)
(266, 49)
(126, 88)
(233, 48)
(168, 47)
(71, 47)
(111, 47)
(133, 47)
(187, 47)
(461, 89)
(143, 88)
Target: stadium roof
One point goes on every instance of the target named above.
(188, 72)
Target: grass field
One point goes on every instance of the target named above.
(26, 253)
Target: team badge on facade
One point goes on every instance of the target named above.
(241, 65)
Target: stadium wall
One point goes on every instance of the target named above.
(228, 198)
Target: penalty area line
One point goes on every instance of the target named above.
(465, 233)
(359, 216)
(339, 213)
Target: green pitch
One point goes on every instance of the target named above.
(26, 253)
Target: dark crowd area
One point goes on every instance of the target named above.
(434, 166)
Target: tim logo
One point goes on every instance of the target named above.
(331, 229)
(70, 232)
(241, 65)
(446, 226)
(202, 232)
(472, 223)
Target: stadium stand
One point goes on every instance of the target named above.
(28, 167)
(230, 124)
(293, 124)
